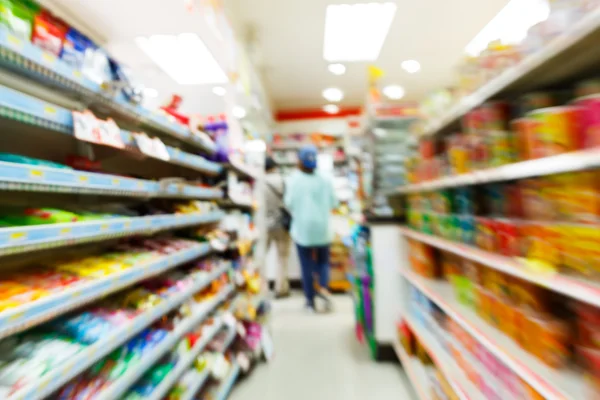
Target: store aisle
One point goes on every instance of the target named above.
(318, 358)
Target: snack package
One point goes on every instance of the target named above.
(48, 33)
(17, 18)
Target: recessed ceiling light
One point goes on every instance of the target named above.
(150, 92)
(394, 92)
(219, 90)
(356, 32)
(337, 69)
(510, 25)
(239, 112)
(333, 94)
(184, 57)
(331, 109)
(411, 66)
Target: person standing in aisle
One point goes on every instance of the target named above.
(277, 225)
(310, 198)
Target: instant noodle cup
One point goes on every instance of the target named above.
(557, 132)
(552, 341)
(588, 325)
(526, 140)
(589, 120)
(591, 360)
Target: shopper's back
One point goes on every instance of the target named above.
(310, 198)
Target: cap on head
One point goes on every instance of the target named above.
(308, 156)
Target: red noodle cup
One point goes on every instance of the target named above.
(590, 120)
(527, 144)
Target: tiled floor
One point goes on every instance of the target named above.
(318, 358)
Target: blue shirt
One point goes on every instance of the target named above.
(310, 198)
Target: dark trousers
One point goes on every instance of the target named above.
(313, 259)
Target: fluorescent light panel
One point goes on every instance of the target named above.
(333, 94)
(184, 57)
(356, 32)
(510, 25)
(331, 109)
(394, 92)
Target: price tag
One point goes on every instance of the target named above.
(90, 129)
(48, 59)
(243, 361)
(14, 42)
(18, 236)
(65, 232)
(152, 147)
(267, 344)
(229, 320)
(104, 227)
(50, 110)
(84, 178)
(77, 75)
(36, 174)
(116, 182)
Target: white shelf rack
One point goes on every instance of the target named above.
(551, 383)
(202, 378)
(184, 363)
(37, 237)
(568, 162)
(224, 389)
(36, 312)
(579, 289)
(119, 387)
(415, 372)
(463, 388)
(540, 68)
(60, 375)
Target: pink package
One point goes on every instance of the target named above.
(590, 120)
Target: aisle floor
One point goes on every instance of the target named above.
(318, 358)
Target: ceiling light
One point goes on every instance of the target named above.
(219, 90)
(331, 109)
(411, 66)
(239, 112)
(337, 69)
(333, 94)
(510, 25)
(356, 32)
(394, 92)
(150, 92)
(184, 57)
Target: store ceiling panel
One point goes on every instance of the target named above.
(286, 38)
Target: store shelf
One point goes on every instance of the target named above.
(190, 393)
(29, 110)
(552, 384)
(29, 60)
(463, 388)
(31, 314)
(568, 162)
(32, 178)
(25, 238)
(564, 57)
(237, 203)
(59, 376)
(415, 372)
(184, 363)
(571, 286)
(119, 387)
(224, 389)
(243, 169)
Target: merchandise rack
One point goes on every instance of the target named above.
(565, 56)
(59, 376)
(552, 384)
(224, 389)
(20, 107)
(415, 371)
(184, 364)
(32, 178)
(568, 162)
(444, 362)
(34, 313)
(190, 394)
(25, 238)
(29, 60)
(567, 285)
(119, 387)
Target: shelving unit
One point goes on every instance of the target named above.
(573, 287)
(222, 392)
(415, 371)
(56, 378)
(550, 383)
(119, 387)
(163, 389)
(31, 314)
(565, 56)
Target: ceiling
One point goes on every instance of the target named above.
(286, 41)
